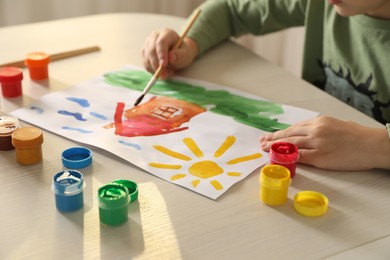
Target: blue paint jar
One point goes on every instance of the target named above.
(68, 186)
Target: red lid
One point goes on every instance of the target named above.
(10, 74)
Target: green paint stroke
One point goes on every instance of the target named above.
(252, 112)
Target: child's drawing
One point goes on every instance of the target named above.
(253, 112)
(195, 134)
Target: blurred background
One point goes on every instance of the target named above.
(282, 48)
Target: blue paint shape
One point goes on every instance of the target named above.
(78, 116)
(37, 109)
(97, 115)
(83, 131)
(82, 102)
(136, 146)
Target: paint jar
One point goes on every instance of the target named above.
(8, 124)
(113, 204)
(68, 189)
(285, 154)
(11, 81)
(274, 183)
(38, 65)
(28, 145)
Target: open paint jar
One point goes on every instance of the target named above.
(8, 124)
(113, 204)
(68, 189)
(274, 184)
(285, 154)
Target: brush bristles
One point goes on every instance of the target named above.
(139, 100)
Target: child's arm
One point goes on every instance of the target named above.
(333, 144)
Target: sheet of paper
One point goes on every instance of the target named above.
(199, 135)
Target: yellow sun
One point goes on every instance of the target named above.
(202, 169)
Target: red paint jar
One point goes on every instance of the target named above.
(11, 81)
(38, 65)
(284, 154)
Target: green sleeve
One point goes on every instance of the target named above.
(221, 19)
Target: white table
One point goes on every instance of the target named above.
(169, 222)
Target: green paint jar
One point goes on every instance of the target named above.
(113, 204)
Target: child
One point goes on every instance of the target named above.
(347, 54)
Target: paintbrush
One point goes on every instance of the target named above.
(157, 73)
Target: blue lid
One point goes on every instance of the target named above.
(76, 157)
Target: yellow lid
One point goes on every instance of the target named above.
(27, 137)
(311, 203)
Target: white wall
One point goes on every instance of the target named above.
(284, 49)
(27, 11)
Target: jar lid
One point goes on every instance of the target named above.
(27, 137)
(131, 187)
(76, 157)
(10, 74)
(311, 203)
(37, 59)
(8, 124)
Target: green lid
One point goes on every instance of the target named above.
(131, 187)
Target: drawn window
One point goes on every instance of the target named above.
(165, 112)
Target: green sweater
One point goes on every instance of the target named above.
(349, 57)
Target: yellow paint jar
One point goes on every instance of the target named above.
(274, 183)
(28, 145)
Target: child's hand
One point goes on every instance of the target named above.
(329, 143)
(158, 49)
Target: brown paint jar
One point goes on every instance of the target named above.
(8, 124)
(28, 145)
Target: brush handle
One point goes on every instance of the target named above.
(153, 80)
(57, 56)
(188, 27)
(157, 73)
